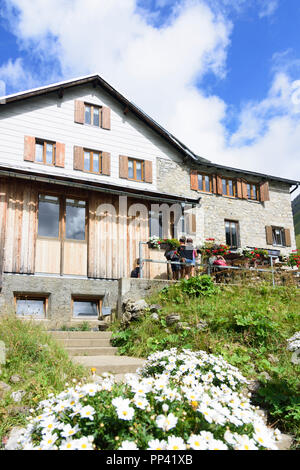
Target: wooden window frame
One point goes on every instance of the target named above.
(93, 106)
(283, 238)
(237, 227)
(91, 152)
(45, 143)
(204, 175)
(87, 298)
(252, 198)
(62, 199)
(32, 296)
(135, 161)
(234, 187)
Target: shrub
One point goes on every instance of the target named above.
(178, 401)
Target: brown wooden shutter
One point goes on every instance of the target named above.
(194, 180)
(123, 166)
(219, 185)
(264, 191)
(239, 188)
(106, 118)
(29, 148)
(214, 184)
(106, 163)
(148, 171)
(287, 234)
(79, 112)
(269, 235)
(244, 190)
(78, 158)
(60, 154)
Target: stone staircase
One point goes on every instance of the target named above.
(93, 349)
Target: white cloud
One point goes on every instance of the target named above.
(268, 7)
(158, 67)
(14, 73)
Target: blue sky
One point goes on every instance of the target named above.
(219, 74)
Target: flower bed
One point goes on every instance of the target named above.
(179, 400)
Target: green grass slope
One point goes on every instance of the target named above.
(248, 326)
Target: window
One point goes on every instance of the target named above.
(229, 187)
(92, 115)
(86, 307)
(30, 305)
(278, 235)
(92, 161)
(253, 191)
(75, 219)
(48, 223)
(205, 183)
(232, 233)
(135, 169)
(60, 216)
(45, 152)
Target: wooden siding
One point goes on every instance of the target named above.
(52, 119)
(20, 205)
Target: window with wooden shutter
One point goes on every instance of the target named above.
(106, 163)
(219, 185)
(60, 155)
(29, 148)
(78, 158)
(123, 166)
(194, 180)
(79, 111)
(269, 235)
(148, 171)
(106, 119)
(278, 236)
(264, 192)
(287, 236)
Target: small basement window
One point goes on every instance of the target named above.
(86, 307)
(31, 306)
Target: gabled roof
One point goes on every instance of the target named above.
(96, 80)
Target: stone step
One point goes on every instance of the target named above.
(84, 343)
(113, 364)
(81, 334)
(93, 351)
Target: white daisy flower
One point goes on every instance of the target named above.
(175, 443)
(156, 444)
(128, 445)
(166, 422)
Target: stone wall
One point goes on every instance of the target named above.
(252, 216)
(59, 292)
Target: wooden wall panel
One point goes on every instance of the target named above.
(48, 256)
(20, 237)
(3, 211)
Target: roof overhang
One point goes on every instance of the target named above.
(65, 181)
(241, 172)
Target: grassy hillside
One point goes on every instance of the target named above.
(248, 326)
(38, 362)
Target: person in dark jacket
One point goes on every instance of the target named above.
(136, 271)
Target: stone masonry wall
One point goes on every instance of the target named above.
(59, 291)
(252, 216)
